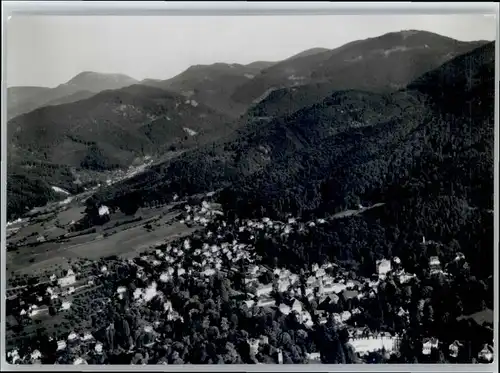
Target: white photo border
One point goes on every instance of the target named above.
(189, 8)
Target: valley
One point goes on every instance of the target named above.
(334, 207)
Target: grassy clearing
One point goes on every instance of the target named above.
(121, 236)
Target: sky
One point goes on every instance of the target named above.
(50, 50)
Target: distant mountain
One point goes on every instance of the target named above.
(259, 65)
(212, 85)
(351, 147)
(97, 82)
(23, 94)
(382, 64)
(106, 131)
(123, 124)
(77, 96)
(307, 53)
(151, 82)
(288, 148)
(22, 100)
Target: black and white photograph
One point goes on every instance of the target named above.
(313, 189)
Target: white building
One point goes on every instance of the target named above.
(254, 346)
(14, 356)
(61, 345)
(264, 290)
(35, 355)
(434, 264)
(283, 286)
(79, 361)
(314, 357)
(167, 306)
(365, 345)
(429, 345)
(98, 347)
(454, 349)
(103, 210)
(87, 337)
(383, 267)
(284, 309)
(266, 302)
(334, 288)
(280, 356)
(208, 272)
(297, 306)
(305, 318)
(249, 303)
(65, 306)
(311, 280)
(349, 285)
(405, 277)
(486, 354)
(121, 290)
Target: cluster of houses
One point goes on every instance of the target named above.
(363, 345)
(325, 284)
(58, 290)
(201, 215)
(73, 342)
(430, 344)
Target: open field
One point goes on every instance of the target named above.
(123, 236)
(127, 242)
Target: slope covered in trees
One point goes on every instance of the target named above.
(122, 123)
(107, 131)
(22, 100)
(351, 147)
(380, 64)
(429, 159)
(213, 85)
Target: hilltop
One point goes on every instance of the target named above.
(124, 123)
(286, 132)
(352, 146)
(25, 99)
(381, 64)
(213, 84)
(107, 131)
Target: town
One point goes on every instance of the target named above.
(219, 255)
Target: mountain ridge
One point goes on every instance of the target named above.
(151, 129)
(384, 63)
(213, 84)
(36, 97)
(277, 160)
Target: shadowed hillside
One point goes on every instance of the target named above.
(22, 100)
(381, 64)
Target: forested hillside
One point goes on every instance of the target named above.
(427, 159)
(21, 100)
(105, 132)
(381, 64)
(352, 147)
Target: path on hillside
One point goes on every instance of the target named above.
(346, 213)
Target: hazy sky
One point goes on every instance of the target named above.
(49, 50)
